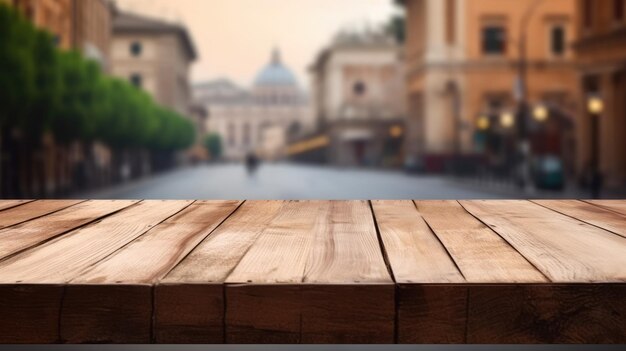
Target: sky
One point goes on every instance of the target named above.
(234, 38)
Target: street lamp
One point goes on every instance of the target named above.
(540, 113)
(507, 120)
(483, 123)
(595, 107)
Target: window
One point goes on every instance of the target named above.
(359, 88)
(136, 80)
(135, 48)
(557, 41)
(494, 40)
(618, 10)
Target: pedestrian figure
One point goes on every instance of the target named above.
(252, 163)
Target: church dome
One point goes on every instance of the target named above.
(275, 73)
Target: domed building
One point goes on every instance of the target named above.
(259, 119)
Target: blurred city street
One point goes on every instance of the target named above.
(289, 181)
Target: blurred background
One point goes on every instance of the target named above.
(276, 99)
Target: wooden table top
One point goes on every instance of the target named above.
(79, 260)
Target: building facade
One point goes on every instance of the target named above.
(55, 16)
(601, 51)
(257, 120)
(465, 60)
(358, 99)
(92, 29)
(155, 56)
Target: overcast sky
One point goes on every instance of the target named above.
(234, 38)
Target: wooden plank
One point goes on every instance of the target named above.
(618, 206)
(329, 271)
(414, 252)
(29, 314)
(154, 254)
(123, 290)
(595, 215)
(189, 301)
(481, 255)
(61, 259)
(427, 312)
(547, 314)
(32, 210)
(36, 231)
(565, 249)
(6, 204)
(279, 255)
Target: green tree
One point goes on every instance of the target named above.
(213, 143)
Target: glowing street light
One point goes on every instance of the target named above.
(595, 105)
(482, 123)
(540, 113)
(507, 120)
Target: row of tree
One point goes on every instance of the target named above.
(47, 91)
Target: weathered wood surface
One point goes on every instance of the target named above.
(122, 271)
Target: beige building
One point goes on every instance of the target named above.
(155, 56)
(359, 98)
(601, 50)
(463, 61)
(257, 120)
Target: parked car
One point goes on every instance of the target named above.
(548, 172)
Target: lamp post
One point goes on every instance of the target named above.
(523, 108)
(540, 113)
(595, 107)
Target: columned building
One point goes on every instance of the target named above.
(260, 119)
(463, 65)
(601, 51)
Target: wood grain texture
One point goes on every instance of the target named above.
(413, 250)
(5, 204)
(29, 314)
(618, 206)
(23, 236)
(331, 247)
(481, 255)
(549, 271)
(431, 313)
(128, 275)
(59, 260)
(63, 258)
(154, 254)
(32, 210)
(588, 213)
(546, 314)
(563, 248)
(189, 301)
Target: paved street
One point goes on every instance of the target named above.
(286, 181)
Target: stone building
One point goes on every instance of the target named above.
(257, 120)
(156, 56)
(359, 102)
(463, 63)
(601, 51)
